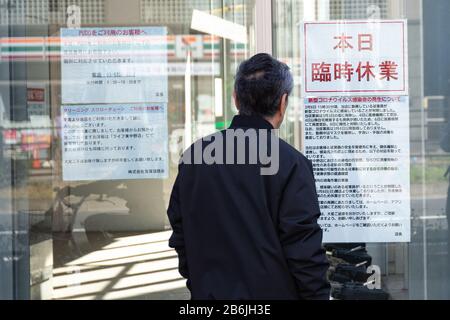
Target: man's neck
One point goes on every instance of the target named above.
(272, 122)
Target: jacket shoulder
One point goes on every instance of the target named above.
(291, 154)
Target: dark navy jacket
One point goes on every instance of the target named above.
(243, 235)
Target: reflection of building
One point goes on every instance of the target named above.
(358, 9)
(163, 11)
(166, 12)
(436, 70)
(338, 9)
(201, 47)
(180, 11)
(42, 12)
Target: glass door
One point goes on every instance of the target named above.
(98, 100)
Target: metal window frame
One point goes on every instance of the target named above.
(263, 26)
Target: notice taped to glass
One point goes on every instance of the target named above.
(359, 147)
(114, 65)
(353, 58)
(106, 142)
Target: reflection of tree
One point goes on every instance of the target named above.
(445, 145)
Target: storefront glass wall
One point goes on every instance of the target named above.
(418, 269)
(101, 235)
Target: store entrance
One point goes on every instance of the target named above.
(98, 100)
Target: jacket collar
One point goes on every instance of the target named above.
(253, 121)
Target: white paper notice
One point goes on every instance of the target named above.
(114, 65)
(106, 142)
(359, 147)
(354, 58)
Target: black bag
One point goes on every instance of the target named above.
(357, 291)
(349, 273)
(357, 255)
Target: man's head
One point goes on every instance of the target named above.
(262, 87)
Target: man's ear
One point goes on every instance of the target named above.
(236, 102)
(283, 105)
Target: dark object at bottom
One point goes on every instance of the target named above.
(348, 273)
(357, 291)
(359, 256)
(348, 246)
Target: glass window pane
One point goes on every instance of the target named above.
(415, 269)
(98, 99)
